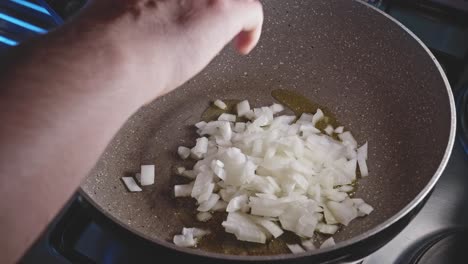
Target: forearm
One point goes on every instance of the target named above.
(59, 107)
(63, 98)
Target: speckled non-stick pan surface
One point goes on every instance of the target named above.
(377, 79)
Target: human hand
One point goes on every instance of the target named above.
(166, 42)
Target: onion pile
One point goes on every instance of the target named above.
(274, 173)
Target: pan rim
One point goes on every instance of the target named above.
(343, 244)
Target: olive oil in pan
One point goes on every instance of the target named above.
(218, 240)
(213, 112)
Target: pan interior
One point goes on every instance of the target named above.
(373, 76)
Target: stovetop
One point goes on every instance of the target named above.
(80, 235)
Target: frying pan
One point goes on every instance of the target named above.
(374, 75)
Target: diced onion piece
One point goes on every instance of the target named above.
(361, 159)
(147, 175)
(208, 204)
(271, 227)
(204, 216)
(317, 116)
(218, 169)
(220, 104)
(189, 174)
(365, 209)
(346, 188)
(326, 229)
(244, 228)
(339, 130)
(220, 206)
(330, 242)
(180, 170)
(227, 117)
(362, 151)
(363, 168)
(295, 248)
(329, 130)
(308, 245)
(243, 108)
(342, 213)
(203, 186)
(131, 185)
(357, 201)
(276, 108)
(195, 232)
(348, 139)
(189, 237)
(329, 218)
(183, 152)
(201, 147)
(200, 125)
(184, 241)
(183, 190)
(307, 118)
(237, 203)
(239, 127)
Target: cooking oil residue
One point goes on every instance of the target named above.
(300, 104)
(213, 112)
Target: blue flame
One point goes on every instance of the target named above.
(30, 5)
(8, 41)
(22, 23)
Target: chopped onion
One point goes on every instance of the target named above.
(131, 184)
(220, 206)
(200, 125)
(184, 241)
(147, 175)
(277, 108)
(346, 188)
(273, 228)
(295, 248)
(179, 170)
(361, 158)
(183, 152)
(189, 237)
(339, 130)
(330, 242)
(200, 148)
(342, 213)
(329, 130)
(204, 216)
(365, 209)
(189, 174)
(239, 127)
(273, 173)
(183, 190)
(308, 245)
(208, 204)
(348, 139)
(220, 104)
(326, 229)
(317, 117)
(243, 108)
(237, 203)
(227, 117)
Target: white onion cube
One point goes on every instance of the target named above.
(147, 175)
(131, 184)
(220, 104)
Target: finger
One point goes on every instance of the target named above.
(251, 25)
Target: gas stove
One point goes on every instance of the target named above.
(438, 234)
